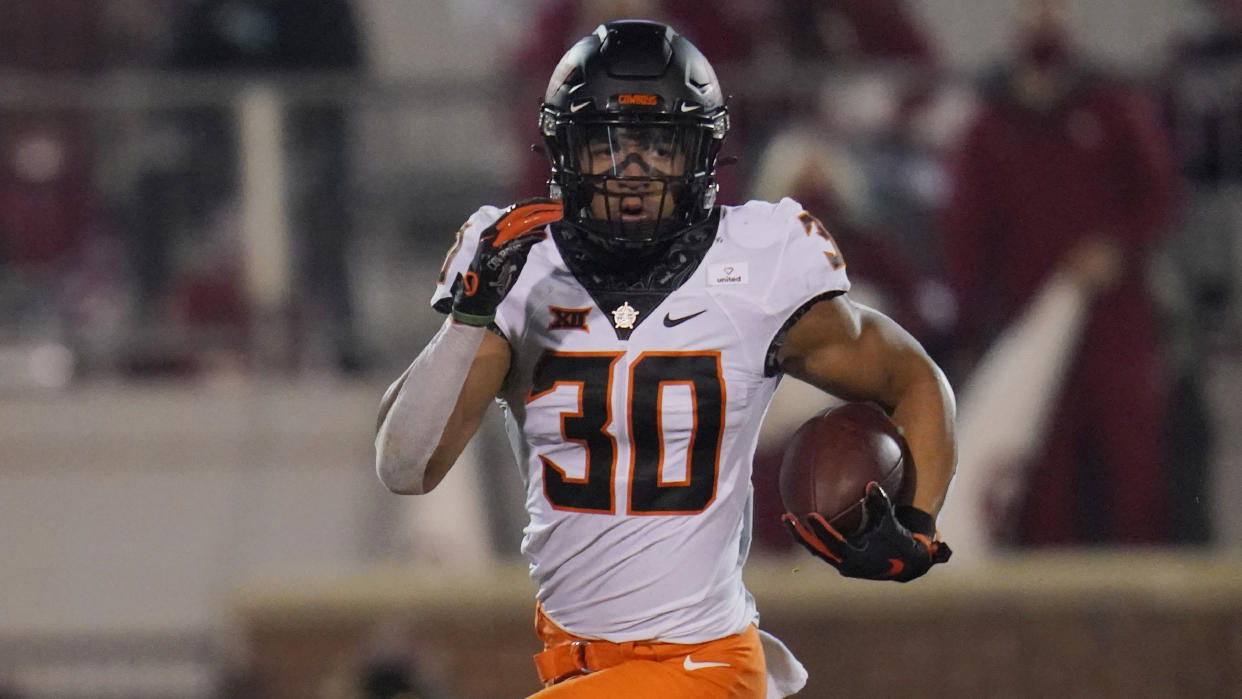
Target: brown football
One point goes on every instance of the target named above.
(832, 457)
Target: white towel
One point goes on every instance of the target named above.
(786, 675)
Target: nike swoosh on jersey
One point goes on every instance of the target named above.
(691, 665)
(670, 322)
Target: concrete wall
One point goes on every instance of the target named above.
(136, 508)
(1085, 625)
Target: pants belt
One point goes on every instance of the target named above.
(582, 657)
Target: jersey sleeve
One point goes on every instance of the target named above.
(459, 255)
(807, 266)
(808, 263)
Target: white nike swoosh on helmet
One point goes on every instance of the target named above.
(579, 106)
(690, 665)
(689, 107)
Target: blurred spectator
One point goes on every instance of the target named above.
(1204, 108)
(195, 186)
(822, 175)
(1202, 271)
(57, 275)
(46, 199)
(867, 72)
(1067, 168)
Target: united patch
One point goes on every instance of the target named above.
(728, 274)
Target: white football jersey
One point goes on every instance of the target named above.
(637, 452)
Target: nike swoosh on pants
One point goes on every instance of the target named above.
(691, 665)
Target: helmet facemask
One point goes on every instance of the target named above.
(634, 184)
(632, 122)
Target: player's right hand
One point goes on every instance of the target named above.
(502, 252)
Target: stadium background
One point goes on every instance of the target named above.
(190, 363)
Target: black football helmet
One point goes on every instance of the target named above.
(633, 112)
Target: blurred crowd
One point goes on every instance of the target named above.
(119, 219)
(955, 198)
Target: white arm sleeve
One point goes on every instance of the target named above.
(425, 396)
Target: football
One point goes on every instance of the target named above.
(831, 458)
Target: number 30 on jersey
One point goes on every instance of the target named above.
(650, 493)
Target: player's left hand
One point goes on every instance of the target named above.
(896, 543)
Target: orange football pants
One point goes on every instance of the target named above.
(570, 666)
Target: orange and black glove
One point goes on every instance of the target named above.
(502, 251)
(896, 543)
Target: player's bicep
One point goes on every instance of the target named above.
(851, 351)
(483, 383)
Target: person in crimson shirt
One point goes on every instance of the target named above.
(1067, 169)
(54, 230)
(48, 205)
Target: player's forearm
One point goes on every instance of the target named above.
(418, 406)
(893, 369)
(925, 411)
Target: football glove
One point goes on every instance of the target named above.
(896, 543)
(502, 251)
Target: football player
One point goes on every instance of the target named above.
(634, 332)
